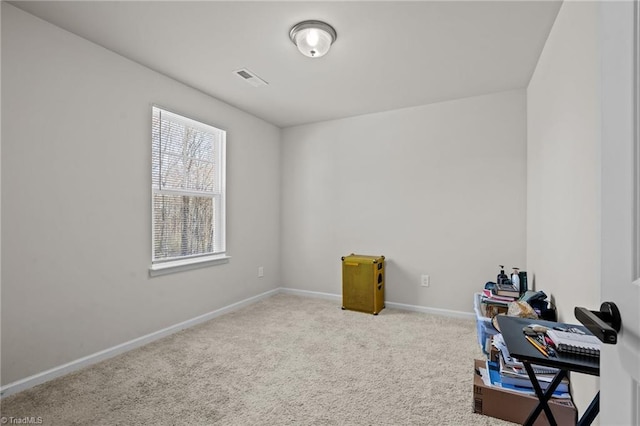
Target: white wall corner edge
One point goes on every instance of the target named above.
(61, 370)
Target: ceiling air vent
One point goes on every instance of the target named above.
(250, 77)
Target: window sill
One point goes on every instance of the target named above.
(188, 264)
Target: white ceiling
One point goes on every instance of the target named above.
(388, 54)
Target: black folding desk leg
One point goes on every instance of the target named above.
(542, 397)
(591, 412)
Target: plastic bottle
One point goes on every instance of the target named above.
(523, 282)
(515, 278)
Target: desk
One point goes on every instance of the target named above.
(520, 348)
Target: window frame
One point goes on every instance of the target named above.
(183, 263)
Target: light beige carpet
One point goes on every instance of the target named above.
(286, 360)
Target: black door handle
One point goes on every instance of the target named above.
(604, 324)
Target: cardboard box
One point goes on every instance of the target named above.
(491, 311)
(516, 407)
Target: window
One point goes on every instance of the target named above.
(188, 191)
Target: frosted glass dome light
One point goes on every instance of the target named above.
(313, 38)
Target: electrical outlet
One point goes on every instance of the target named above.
(260, 272)
(424, 281)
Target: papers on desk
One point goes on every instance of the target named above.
(491, 377)
(509, 361)
(498, 343)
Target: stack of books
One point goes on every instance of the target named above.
(490, 296)
(507, 290)
(518, 378)
(494, 304)
(509, 373)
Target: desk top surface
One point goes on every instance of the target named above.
(519, 347)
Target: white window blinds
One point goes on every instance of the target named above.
(187, 186)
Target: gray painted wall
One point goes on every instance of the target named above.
(76, 200)
(563, 182)
(438, 189)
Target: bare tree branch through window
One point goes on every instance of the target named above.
(188, 187)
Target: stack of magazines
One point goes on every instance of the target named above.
(509, 373)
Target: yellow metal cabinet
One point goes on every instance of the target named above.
(363, 283)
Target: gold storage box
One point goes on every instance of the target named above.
(363, 283)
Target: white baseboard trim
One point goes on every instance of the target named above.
(88, 360)
(308, 293)
(53, 373)
(434, 311)
(394, 305)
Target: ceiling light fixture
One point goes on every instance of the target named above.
(313, 38)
